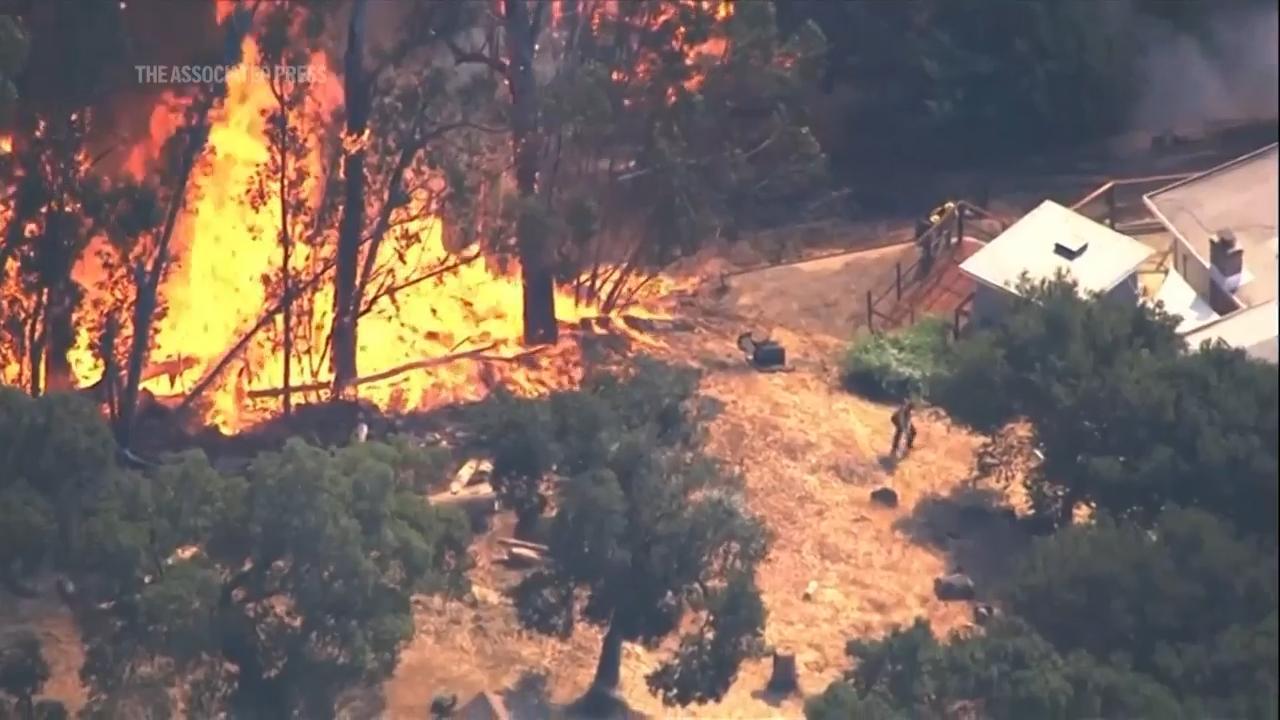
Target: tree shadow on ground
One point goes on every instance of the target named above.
(980, 534)
(775, 699)
(528, 698)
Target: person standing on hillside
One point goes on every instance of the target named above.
(903, 427)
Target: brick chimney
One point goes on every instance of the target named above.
(1228, 261)
(1224, 256)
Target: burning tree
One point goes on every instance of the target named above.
(413, 148)
(52, 188)
(408, 209)
(641, 129)
(284, 181)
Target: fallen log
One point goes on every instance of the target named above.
(173, 368)
(472, 471)
(535, 547)
(468, 493)
(392, 372)
(523, 557)
(268, 317)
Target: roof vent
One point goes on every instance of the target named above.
(1071, 247)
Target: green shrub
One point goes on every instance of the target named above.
(898, 364)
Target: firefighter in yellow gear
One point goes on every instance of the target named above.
(923, 226)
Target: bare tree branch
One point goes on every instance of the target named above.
(462, 57)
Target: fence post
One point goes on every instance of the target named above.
(959, 224)
(1111, 206)
(897, 283)
(955, 324)
(870, 326)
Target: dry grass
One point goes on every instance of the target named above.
(810, 455)
(60, 641)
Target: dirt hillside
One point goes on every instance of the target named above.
(811, 453)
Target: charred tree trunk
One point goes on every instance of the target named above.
(59, 332)
(286, 248)
(147, 278)
(537, 280)
(784, 679)
(609, 666)
(35, 343)
(357, 97)
(110, 373)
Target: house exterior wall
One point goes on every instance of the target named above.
(989, 304)
(1267, 350)
(1192, 269)
(1127, 291)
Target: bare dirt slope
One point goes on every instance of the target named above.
(810, 454)
(59, 638)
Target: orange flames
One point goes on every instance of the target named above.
(224, 246)
(215, 294)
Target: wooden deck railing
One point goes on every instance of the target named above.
(1115, 195)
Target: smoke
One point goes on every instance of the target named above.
(1228, 74)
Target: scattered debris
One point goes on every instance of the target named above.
(519, 557)
(479, 502)
(763, 354)
(535, 547)
(983, 613)
(957, 586)
(442, 706)
(887, 497)
(472, 472)
(694, 598)
(66, 589)
(811, 590)
(126, 457)
(652, 325)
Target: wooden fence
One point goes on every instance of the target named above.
(941, 242)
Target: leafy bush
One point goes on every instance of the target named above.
(54, 450)
(1126, 419)
(1105, 620)
(310, 560)
(573, 431)
(898, 364)
(23, 668)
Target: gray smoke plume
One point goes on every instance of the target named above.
(1229, 74)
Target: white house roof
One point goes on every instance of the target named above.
(1241, 196)
(1255, 329)
(1107, 258)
